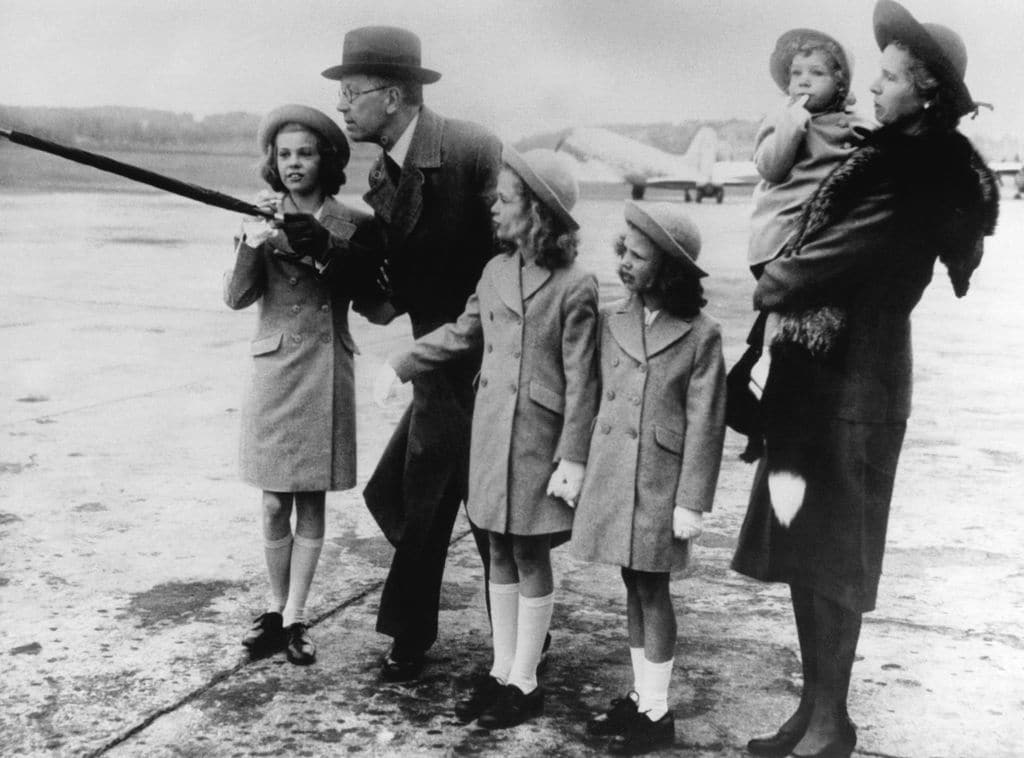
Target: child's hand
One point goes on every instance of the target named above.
(567, 481)
(687, 524)
(268, 200)
(384, 382)
(256, 230)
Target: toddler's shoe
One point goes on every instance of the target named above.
(512, 707)
(266, 635)
(617, 719)
(644, 735)
(300, 650)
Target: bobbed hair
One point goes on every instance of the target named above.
(556, 245)
(332, 166)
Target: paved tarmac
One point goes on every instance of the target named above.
(131, 563)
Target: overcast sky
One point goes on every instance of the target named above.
(518, 66)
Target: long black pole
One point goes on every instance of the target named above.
(136, 174)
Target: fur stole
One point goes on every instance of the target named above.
(945, 199)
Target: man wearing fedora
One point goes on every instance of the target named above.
(431, 190)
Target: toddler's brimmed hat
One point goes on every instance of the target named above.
(382, 51)
(782, 56)
(939, 47)
(311, 118)
(551, 176)
(670, 229)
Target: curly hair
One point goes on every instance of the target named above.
(332, 166)
(941, 113)
(556, 245)
(680, 289)
(833, 54)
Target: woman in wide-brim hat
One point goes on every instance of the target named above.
(867, 240)
(534, 316)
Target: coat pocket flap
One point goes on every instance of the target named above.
(547, 398)
(264, 345)
(669, 439)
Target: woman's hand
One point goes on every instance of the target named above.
(567, 481)
(687, 524)
(384, 382)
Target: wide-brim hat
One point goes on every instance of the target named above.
(551, 176)
(311, 118)
(387, 51)
(781, 58)
(940, 48)
(670, 229)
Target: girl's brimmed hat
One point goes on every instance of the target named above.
(311, 118)
(387, 51)
(551, 176)
(939, 48)
(670, 229)
(782, 56)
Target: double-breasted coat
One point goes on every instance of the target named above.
(657, 440)
(298, 418)
(537, 391)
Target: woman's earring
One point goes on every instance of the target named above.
(927, 105)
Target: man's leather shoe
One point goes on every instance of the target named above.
(617, 719)
(512, 707)
(300, 650)
(645, 735)
(266, 635)
(775, 745)
(394, 668)
(484, 690)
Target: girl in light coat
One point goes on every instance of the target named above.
(534, 315)
(655, 452)
(298, 418)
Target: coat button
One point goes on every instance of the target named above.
(847, 145)
(296, 338)
(295, 309)
(843, 122)
(610, 394)
(483, 382)
(490, 315)
(293, 280)
(632, 434)
(643, 368)
(325, 307)
(325, 338)
(512, 388)
(615, 361)
(635, 400)
(490, 348)
(605, 428)
(516, 354)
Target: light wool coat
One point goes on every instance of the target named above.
(537, 391)
(793, 156)
(298, 418)
(657, 441)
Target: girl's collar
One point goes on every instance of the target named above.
(289, 199)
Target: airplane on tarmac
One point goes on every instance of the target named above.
(698, 170)
(1013, 169)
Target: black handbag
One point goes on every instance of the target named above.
(742, 404)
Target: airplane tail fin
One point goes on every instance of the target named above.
(702, 153)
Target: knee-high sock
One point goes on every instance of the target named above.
(305, 554)
(279, 560)
(636, 656)
(504, 602)
(534, 622)
(654, 688)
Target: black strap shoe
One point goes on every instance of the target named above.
(512, 707)
(484, 690)
(615, 720)
(775, 745)
(265, 636)
(645, 736)
(300, 650)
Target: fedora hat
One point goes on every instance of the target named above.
(782, 57)
(551, 177)
(382, 51)
(937, 46)
(669, 228)
(311, 118)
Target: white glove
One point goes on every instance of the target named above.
(687, 524)
(567, 481)
(384, 382)
(256, 229)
